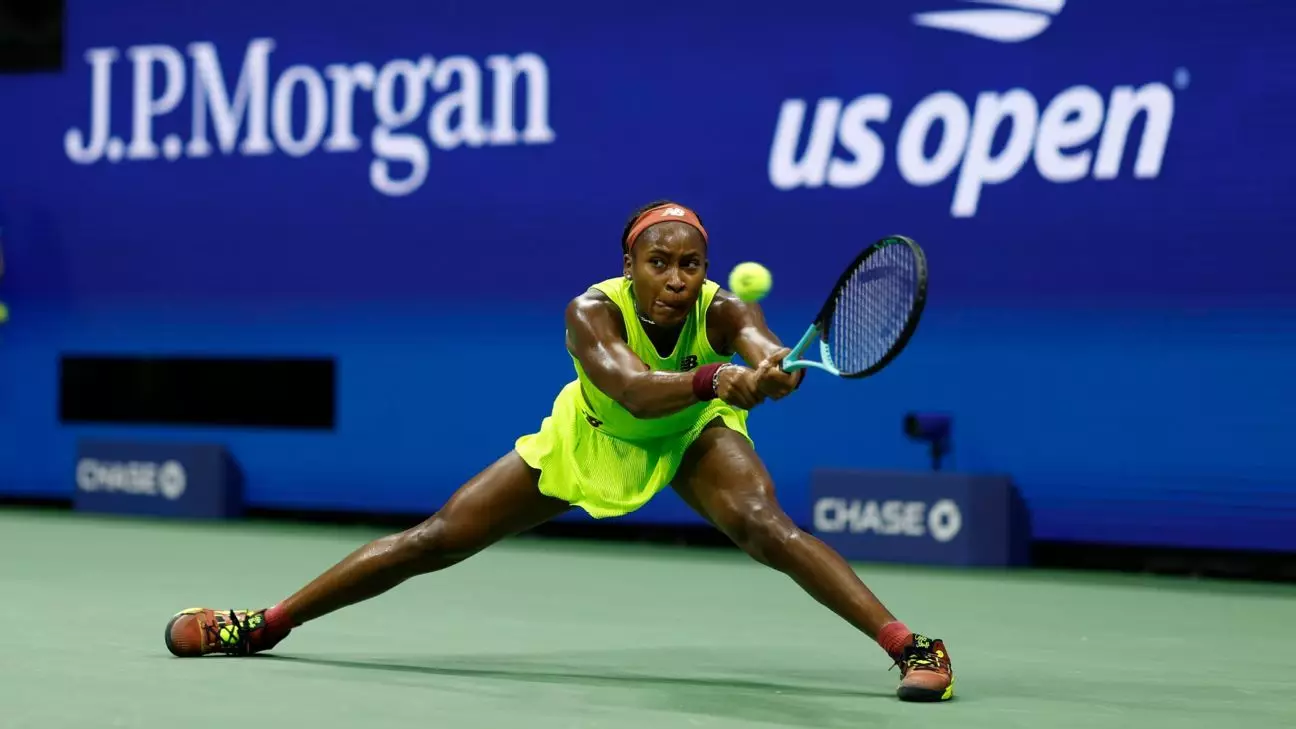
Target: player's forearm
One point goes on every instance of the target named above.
(755, 343)
(657, 394)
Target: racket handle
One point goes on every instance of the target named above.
(793, 360)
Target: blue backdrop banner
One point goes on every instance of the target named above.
(1101, 187)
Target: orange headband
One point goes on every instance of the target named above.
(664, 214)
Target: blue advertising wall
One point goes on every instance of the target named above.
(1103, 188)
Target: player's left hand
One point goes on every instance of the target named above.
(771, 380)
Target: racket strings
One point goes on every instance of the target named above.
(873, 308)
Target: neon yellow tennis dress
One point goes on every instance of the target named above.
(592, 453)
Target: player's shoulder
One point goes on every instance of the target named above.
(727, 308)
(723, 298)
(590, 299)
(596, 295)
(590, 306)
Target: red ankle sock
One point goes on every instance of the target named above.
(277, 620)
(893, 637)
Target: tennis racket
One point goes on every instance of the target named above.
(871, 313)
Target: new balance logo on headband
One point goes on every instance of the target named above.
(665, 210)
(1013, 22)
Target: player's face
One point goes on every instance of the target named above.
(667, 266)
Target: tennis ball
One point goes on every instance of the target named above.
(750, 281)
(4, 313)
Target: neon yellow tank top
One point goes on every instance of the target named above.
(692, 350)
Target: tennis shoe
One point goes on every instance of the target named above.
(201, 631)
(926, 673)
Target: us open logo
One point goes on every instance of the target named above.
(846, 139)
(1013, 21)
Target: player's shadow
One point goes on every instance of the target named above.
(811, 701)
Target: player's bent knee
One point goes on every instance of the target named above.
(765, 534)
(435, 544)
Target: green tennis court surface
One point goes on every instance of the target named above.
(554, 634)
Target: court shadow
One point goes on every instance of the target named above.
(732, 690)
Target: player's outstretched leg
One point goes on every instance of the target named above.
(501, 501)
(724, 480)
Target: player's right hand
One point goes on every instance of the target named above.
(772, 380)
(739, 386)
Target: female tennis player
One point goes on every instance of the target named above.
(656, 401)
